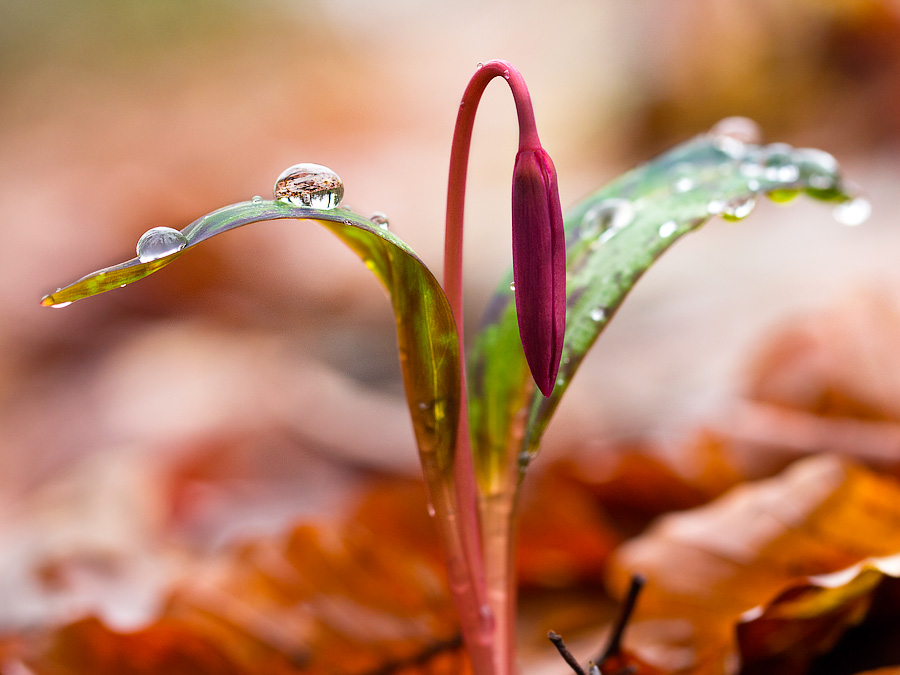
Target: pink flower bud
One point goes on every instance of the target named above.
(539, 264)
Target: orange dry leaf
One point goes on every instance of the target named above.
(708, 566)
(335, 599)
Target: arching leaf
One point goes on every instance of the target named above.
(612, 238)
(426, 331)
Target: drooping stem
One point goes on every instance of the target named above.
(498, 623)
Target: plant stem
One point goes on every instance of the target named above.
(496, 517)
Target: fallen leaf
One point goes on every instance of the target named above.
(706, 567)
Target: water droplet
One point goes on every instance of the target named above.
(715, 207)
(667, 229)
(159, 242)
(822, 167)
(742, 129)
(380, 219)
(753, 184)
(778, 159)
(505, 74)
(431, 510)
(486, 620)
(256, 199)
(739, 208)
(310, 185)
(683, 184)
(598, 314)
(60, 305)
(512, 286)
(853, 212)
(479, 65)
(606, 218)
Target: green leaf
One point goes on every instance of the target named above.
(612, 238)
(426, 331)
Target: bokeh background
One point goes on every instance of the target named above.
(256, 380)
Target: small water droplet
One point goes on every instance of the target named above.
(310, 185)
(753, 184)
(598, 314)
(486, 622)
(822, 167)
(479, 65)
(60, 305)
(606, 219)
(431, 510)
(512, 286)
(742, 128)
(505, 74)
(778, 159)
(667, 229)
(715, 207)
(158, 242)
(380, 219)
(256, 199)
(853, 212)
(683, 184)
(739, 208)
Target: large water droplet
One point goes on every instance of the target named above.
(310, 185)
(380, 219)
(853, 212)
(739, 208)
(256, 199)
(606, 218)
(159, 242)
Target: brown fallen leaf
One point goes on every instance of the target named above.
(808, 619)
(329, 599)
(706, 567)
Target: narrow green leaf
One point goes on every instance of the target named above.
(426, 332)
(612, 238)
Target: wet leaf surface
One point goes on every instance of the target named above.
(613, 237)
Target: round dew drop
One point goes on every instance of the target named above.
(159, 242)
(311, 185)
(854, 212)
(380, 219)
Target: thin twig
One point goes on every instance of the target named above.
(565, 653)
(614, 646)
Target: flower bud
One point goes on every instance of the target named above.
(539, 264)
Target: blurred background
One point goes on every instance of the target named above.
(256, 380)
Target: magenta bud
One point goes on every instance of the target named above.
(539, 264)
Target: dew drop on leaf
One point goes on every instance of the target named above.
(159, 242)
(743, 129)
(779, 163)
(667, 229)
(256, 199)
(310, 185)
(512, 286)
(853, 212)
(380, 219)
(598, 314)
(606, 218)
(739, 208)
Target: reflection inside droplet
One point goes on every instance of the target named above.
(739, 208)
(159, 242)
(310, 185)
(667, 229)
